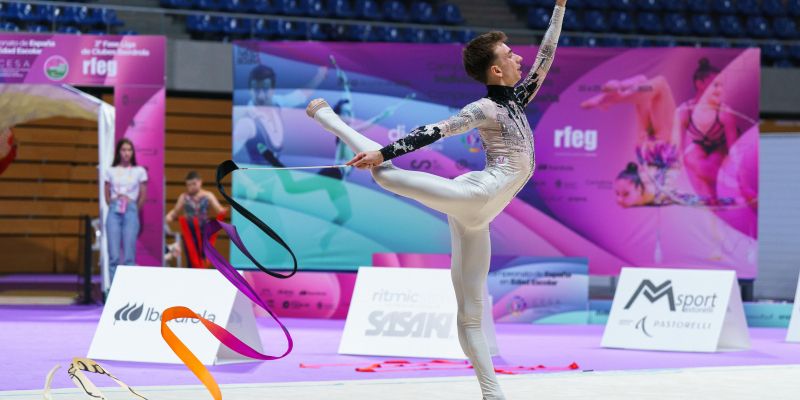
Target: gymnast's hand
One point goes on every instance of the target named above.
(368, 159)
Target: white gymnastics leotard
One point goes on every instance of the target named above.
(471, 200)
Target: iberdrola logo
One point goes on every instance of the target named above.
(56, 68)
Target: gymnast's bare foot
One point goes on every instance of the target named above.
(316, 105)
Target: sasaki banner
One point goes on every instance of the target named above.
(643, 156)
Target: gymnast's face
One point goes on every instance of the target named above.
(261, 92)
(193, 186)
(507, 65)
(627, 193)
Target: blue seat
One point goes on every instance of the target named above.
(538, 18)
(640, 42)
(774, 51)
(416, 35)
(596, 4)
(572, 22)
(675, 5)
(208, 5)
(613, 41)
(338, 32)
(264, 29)
(793, 8)
(703, 25)
(787, 63)
(758, 27)
(748, 7)
(236, 27)
(650, 5)
(292, 8)
(263, 7)
(128, 32)
(106, 17)
(291, 30)
(450, 14)
(591, 41)
(203, 25)
(522, 3)
(595, 21)
(368, 9)
(677, 24)
(731, 26)
(390, 34)
(773, 8)
(68, 29)
(236, 6)
(621, 22)
(723, 6)
(422, 12)
(794, 51)
(9, 27)
(785, 28)
(464, 35)
(179, 4)
(26, 13)
(38, 28)
(570, 41)
(622, 5)
(441, 35)
(317, 9)
(573, 4)
(394, 10)
(650, 23)
(361, 33)
(316, 31)
(341, 9)
(698, 6)
(719, 43)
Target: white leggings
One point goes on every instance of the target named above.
(464, 200)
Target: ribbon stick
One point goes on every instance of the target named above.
(80, 379)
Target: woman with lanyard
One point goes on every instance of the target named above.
(125, 192)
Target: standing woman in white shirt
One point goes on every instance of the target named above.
(125, 190)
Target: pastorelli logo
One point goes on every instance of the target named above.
(138, 312)
(688, 303)
(410, 324)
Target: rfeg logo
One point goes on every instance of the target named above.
(56, 68)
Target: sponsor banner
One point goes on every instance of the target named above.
(408, 312)
(524, 289)
(324, 295)
(130, 326)
(676, 310)
(135, 67)
(793, 334)
(667, 149)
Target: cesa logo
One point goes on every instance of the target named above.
(569, 138)
(409, 324)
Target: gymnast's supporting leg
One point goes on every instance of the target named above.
(469, 270)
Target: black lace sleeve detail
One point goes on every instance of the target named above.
(470, 117)
(418, 138)
(528, 88)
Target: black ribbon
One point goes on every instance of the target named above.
(223, 170)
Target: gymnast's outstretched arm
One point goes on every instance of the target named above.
(529, 86)
(473, 115)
